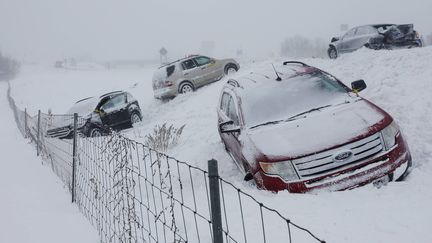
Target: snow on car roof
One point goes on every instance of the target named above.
(178, 60)
(264, 75)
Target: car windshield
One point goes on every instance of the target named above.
(84, 107)
(279, 101)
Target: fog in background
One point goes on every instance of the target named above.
(45, 30)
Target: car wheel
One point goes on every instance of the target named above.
(135, 118)
(230, 69)
(332, 53)
(95, 132)
(186, 88)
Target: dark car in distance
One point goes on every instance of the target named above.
(380, 36)
(97, 115)
(300, 129)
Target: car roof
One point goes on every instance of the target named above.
(112, 93)
(178, 60)
(265, 74)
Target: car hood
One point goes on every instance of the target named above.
(320, 130)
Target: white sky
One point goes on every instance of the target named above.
(136, 29)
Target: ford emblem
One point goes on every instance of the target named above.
(342, 156)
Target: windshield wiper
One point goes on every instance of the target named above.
(292, 118)
(306, 112)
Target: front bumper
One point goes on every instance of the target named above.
(393, 163)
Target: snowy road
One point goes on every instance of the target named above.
(398, 81)
(34, 205)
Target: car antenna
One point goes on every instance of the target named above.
(278, 77)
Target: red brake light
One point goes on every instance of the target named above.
(168, 83)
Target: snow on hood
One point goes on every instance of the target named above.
(84, 107)
(319, 130)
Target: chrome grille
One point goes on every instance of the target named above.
(314, 165)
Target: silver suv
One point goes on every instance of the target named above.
(187, 74)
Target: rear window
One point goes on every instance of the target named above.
(170, 70)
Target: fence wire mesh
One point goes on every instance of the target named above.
(132, 193)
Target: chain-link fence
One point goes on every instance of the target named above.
(132, 193)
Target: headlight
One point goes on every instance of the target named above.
(389, 135)
(285, 169)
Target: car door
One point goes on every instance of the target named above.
(230, 111)
(191, 72)
(207, 68)
(362, 36)
(347, 41)
(115, 111)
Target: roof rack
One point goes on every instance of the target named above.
(295, 62)
(83, 100)
(110, 93)
(233, 83)
(178, 60)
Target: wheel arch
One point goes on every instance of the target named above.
(185, 82)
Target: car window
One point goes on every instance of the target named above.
(365, 30)
(114, 103)
(129, 97)
(202, 60)
(350, 33)
(224, 103)
(188, 64)
(170, 70)
(232, 111)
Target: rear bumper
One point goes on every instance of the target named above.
(392, 163)
(164, 93)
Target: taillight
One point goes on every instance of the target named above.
(417, 34)
(168, 83)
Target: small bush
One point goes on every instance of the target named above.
(163, 137)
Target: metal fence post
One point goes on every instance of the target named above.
(216, 216)
(25, 123)
(38, 133)
(74, 157)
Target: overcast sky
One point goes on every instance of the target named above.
(136, 29)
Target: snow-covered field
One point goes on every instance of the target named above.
(398, 81)
(34, 206)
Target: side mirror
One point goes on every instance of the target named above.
(335, 39)
(358, 85)
(248, 176)
(228, 127)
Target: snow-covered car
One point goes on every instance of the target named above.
(380, 36)
(115, 110)
(188, 74)
(300, 129)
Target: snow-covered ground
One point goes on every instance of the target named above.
(398, 81)
(34, 206)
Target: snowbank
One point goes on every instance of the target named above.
(399, 81)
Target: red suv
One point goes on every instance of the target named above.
(295, 127)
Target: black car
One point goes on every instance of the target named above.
(98, 115)
(380, 36)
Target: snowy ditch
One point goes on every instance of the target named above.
(398, 81)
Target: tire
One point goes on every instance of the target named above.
(332, 52)
(135, 118)
(186, 87)
(95, 132)
(230, 69)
